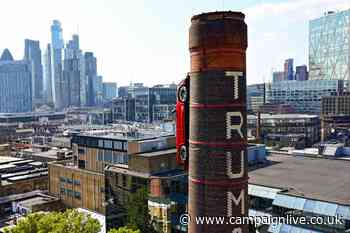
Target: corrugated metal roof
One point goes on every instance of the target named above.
(284, 201)
(262, 191)
(284, 228)
(343, 211)
(312, 206)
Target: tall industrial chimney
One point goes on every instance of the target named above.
(218, 177)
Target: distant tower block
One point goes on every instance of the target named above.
(218, 177)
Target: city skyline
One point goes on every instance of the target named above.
(118, 41)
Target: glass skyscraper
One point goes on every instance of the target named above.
(329, 46)
(56, 64)
(288, 69)
(32, 54)
(15, 84)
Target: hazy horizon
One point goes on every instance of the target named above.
(148, 42)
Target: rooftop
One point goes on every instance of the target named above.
(158, 153)
(21, 196)
(37, 200)
(166, 174)
(30, 114)
(284, 116)
(314, 178)
(6, 159)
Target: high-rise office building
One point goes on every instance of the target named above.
(288, 69)
(329, 46)
(109, 90)
(72, 73)
(301, 73)
(278, 76)
(72, 48)
(71, 76)
(73, 51)
(48, 76)
(123, 91)
(83, 81)
(90, 74)
(32, 54)
(255, 97)
(15, 84)
(304, 97)
(98, 90)
(143, 107)
(162, 102)
(123, 109)
(57, 81)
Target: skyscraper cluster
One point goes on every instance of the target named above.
(300, 73)
(67, 76)
(68, 68)
(329, 64)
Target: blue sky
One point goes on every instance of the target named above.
(147, 40)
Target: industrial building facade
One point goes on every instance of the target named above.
(145, 104)
(336, 105)
(335, 114)
(159, 173)
(76, 187)
(286, 129)
(110, 164)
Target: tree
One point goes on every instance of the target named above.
(137, 211)
(124, 230)
(70, 221)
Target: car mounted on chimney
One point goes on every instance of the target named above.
(182, 122)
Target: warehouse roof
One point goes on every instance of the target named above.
(6, 159)
(283, 116)
(313, 178)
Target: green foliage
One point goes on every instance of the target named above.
(124, 230)
(137, 211)
(70, 221)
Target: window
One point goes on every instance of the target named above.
(124, 180)
(81, 150)
(125, 145)
(81, 164)
(70, 192)
(108, 156)
(108, 144)
(100, 143)
(70, 181)
(77, 195)
(63, 191)
(116, 157)
(118, 145)
(62, 179)
(100, 155)
(76, 182)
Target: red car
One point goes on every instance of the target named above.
(182, 121)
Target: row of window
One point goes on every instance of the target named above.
(109, 144)
(71, 193)
(69, 181)
(99, 143)
(112, 156)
